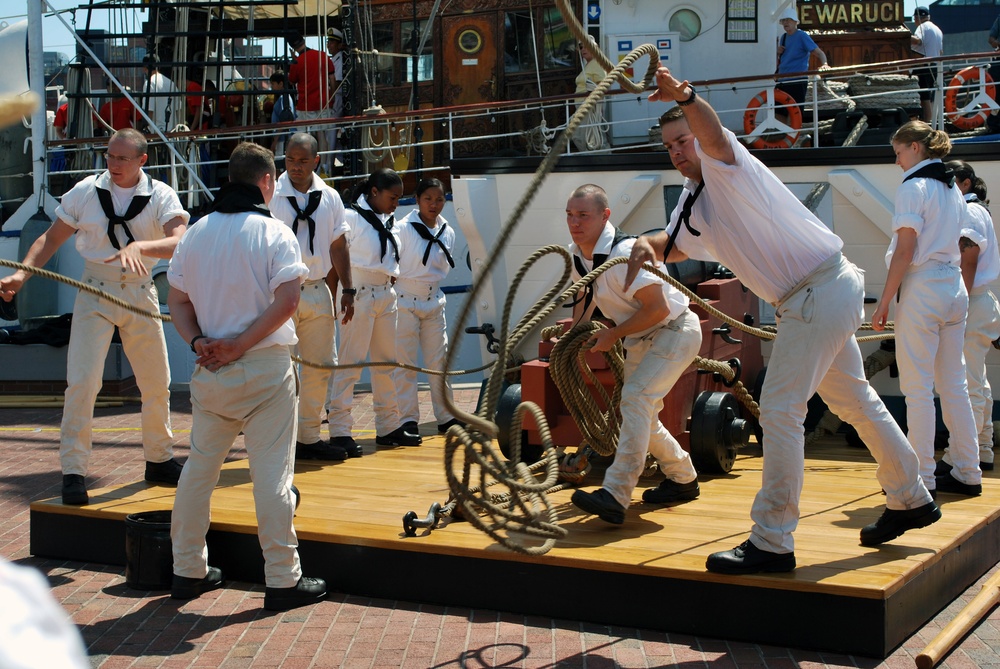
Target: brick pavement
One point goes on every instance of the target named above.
(228, 629)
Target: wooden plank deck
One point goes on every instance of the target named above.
(647, 573)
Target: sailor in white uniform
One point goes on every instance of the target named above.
(738, 212)
(980, 267)
(931, 304)
(426, 246)
(373, 237)
(315, 212)
(124, 221)
(661, 337)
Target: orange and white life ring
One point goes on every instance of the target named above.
(784, 100)
(973, 119)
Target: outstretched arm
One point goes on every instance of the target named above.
(41, 252)
(702, 119)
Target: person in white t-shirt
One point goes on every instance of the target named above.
(736, 211)
(927, 41)
(661, 337)
(315, 212)
(163, 102)
(234, 289)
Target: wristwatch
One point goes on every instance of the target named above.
(691, 98)
(349, 291)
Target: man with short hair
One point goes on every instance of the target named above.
(738, 212)
(315, 213)
(235, 285)
(661, 337)
(124, 221)
(928, 41)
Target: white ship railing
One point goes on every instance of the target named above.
(526, 127)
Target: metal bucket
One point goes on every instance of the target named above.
(149, 563)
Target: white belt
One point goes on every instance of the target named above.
(367, 277)
(423, 290)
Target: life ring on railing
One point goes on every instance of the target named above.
(783, 99)
(963, 78)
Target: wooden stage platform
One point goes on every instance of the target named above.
(647, 573)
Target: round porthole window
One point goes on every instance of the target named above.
(470, 41)
(687, 23)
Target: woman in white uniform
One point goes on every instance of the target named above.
(426, 243)
(932, 302)
(373, 239)
(980, 267)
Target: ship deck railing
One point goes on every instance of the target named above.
(527, 127)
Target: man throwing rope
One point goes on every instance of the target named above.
(661, 335)
(124, 222)
(736, 211)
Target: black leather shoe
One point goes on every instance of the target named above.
(671, 491)
(399, 437)
(444, 427)
(306, 591)
(949, 483)
(942, 468)
(748, 559)
(601, 503)
(164, 472)
(351, 447)
(893, 523)
(412, 427)
(189, 588)
(74, 490)
(319, 450)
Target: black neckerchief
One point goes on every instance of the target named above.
(384, 236)
(975, 198)
(234, 198)
(936, 171)
(685, 218)
(432, 239)
(599, 259)
(135, 207)
(311, 206)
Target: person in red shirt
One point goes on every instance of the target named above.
(118, 112)
(62, 117)
(311, 73)
(199, 107)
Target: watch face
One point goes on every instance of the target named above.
(687, 23)
(470, 41)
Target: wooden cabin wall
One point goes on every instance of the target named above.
(472, 64)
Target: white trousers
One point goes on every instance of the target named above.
(420, 325)
(652, 366)
(315, 326)
(255, 395)
(981, 328)
(815, 351)
(370, 333)
(930, 336)
(94, 322)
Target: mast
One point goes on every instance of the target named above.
(40, 202)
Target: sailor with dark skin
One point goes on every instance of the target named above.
(738, 212)
(315, 213)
